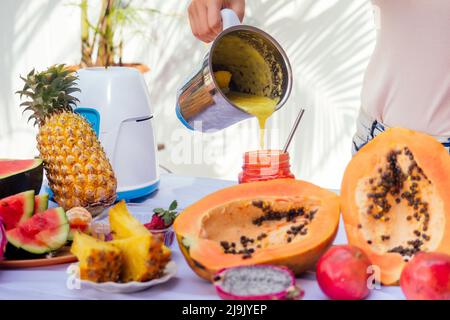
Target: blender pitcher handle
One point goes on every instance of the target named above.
(229, 18)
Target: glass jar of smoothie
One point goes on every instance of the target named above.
(265, 165)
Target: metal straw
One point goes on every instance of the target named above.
(294, 129)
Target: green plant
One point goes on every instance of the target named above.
(102, 42)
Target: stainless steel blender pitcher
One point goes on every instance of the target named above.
(203, 106)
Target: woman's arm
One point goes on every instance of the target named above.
(205, 19)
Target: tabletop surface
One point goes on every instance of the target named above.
(51, 282)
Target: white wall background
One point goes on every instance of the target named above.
(329, 43)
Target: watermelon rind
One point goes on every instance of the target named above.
(29, 178)
(41, 203)
(27, 199)
(13, 253)
(46, 240)
(36, 247)
(28, 208)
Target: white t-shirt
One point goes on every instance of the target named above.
(407, 82)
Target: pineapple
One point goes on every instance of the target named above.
(78, 170)
(123, 224)
(133, 255)
(99, 261)
(145, 256)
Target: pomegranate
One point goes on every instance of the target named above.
(259, 282)
(427, 277)
(342, 273)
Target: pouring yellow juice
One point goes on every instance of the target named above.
(259, 106)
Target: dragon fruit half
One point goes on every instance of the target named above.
(2, 239)
(259, 282)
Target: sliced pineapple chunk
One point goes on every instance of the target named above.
(98, 261)
(144, 258)
(122, 223)
(144, 255)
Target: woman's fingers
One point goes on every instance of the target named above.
(214, 17)
(199, 20)
(206, 34)
(205, 18)
(237, 6)
(193, 20)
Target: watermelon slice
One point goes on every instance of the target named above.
(44, 232)
(16, 209)
(20, 175)
(41, 203)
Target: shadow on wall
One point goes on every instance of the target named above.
(17, 138)
(329, 44)
(329, 53)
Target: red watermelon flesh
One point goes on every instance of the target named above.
(17, 208)
(8, 167)
(42, 233)
(20, 175)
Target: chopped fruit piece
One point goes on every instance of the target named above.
(43, 232)
(16, 209)
(223, 79)
(143, 258)
(163, 218)
(283, 222)
(41, 203)
(99, 261)
(257, 283)
(123, 225)
(79, 220)
(395, 199)
(157, 223)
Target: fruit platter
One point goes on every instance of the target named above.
(36, 235)
(269, 237)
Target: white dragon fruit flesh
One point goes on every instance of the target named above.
(259, 282)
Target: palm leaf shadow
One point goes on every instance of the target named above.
(16, 37)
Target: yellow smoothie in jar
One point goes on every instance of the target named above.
(259, 106)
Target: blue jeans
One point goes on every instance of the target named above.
(368, 128)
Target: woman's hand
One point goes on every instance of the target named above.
(205, 19)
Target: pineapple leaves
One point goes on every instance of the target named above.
(31, 73)
(72, 90)
(25, 93)
(49, 92)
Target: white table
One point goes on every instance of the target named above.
(50, 282)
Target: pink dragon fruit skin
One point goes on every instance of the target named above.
(287, 288)
(3, 240)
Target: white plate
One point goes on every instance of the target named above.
(129, 287)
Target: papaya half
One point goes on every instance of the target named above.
(283, 222)
(395, 199)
